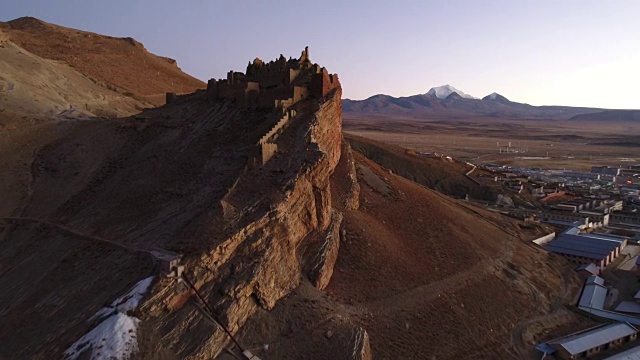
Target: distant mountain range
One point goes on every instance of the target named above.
(447, 101)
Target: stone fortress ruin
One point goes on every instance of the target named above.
(278, 86)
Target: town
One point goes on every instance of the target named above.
(596, 218)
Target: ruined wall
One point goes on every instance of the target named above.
(171, 97)
(267, 150)
(299, 93)
(212, 89)
(230, 91)
(323, 83)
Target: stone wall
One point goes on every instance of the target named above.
(323, 83)
(171, 97)
(267, 150)
(279, 83)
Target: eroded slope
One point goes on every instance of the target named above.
(121, 64)
(33, 87)
(418, 271)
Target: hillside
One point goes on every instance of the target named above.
(417, 272)
(632, 116)
(287, 236)
(88, 202)
(34, 87)
(440, 174)
(119, 64)
(443, 102)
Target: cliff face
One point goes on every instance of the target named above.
(261, 262)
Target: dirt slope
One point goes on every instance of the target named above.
(426, 277)
(441, 174)
(100, 194)
(120, 64)
(33, 87)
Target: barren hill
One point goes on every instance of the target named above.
(416, 273)
(34, 87)
(442, 174)
(120, 64)
(287, 238)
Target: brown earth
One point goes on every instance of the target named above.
(419, 272)
(551, 143)
(416, 271)
(160, 180)
(447, 176)
(32, 87)
(119, 64)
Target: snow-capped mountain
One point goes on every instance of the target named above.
(496, 97)
(446, 100)
(441, 92)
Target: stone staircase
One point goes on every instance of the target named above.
(267, 146)
(284, 119)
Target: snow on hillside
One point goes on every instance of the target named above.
(493, 96)
(125, 303)
(441, 92)
(115, 337)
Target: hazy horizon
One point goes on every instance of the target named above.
(573, 53)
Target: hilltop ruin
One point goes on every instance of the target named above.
(277, 85)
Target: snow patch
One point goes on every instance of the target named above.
(114, 338)
(441, 92)
(493, 96)
(127, 302)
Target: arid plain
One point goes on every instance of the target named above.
(554, 143)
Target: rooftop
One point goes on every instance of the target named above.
(594, 293)
(628, 307)
(631, 354)
(589, 247)
(591, 268)
(589, 339)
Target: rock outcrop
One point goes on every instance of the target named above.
(257, 263)
(321, 256)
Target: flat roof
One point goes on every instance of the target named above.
(631, 354)
(628, 307)
(576, 252)
(591, 268)
(587, 212)
(572, 231)
(596, 236)
(580, 242)
(607, 237)
(584, 246)
(593, 296)
(589, 339)
(595, 280)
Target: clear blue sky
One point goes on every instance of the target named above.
(580, 52)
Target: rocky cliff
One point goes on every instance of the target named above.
(260, 261)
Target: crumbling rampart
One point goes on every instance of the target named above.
(278, 86)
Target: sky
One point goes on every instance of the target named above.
(556, 52)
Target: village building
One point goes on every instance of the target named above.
(590, 342)
(594, 293)
(587, 248)
(587, 270)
